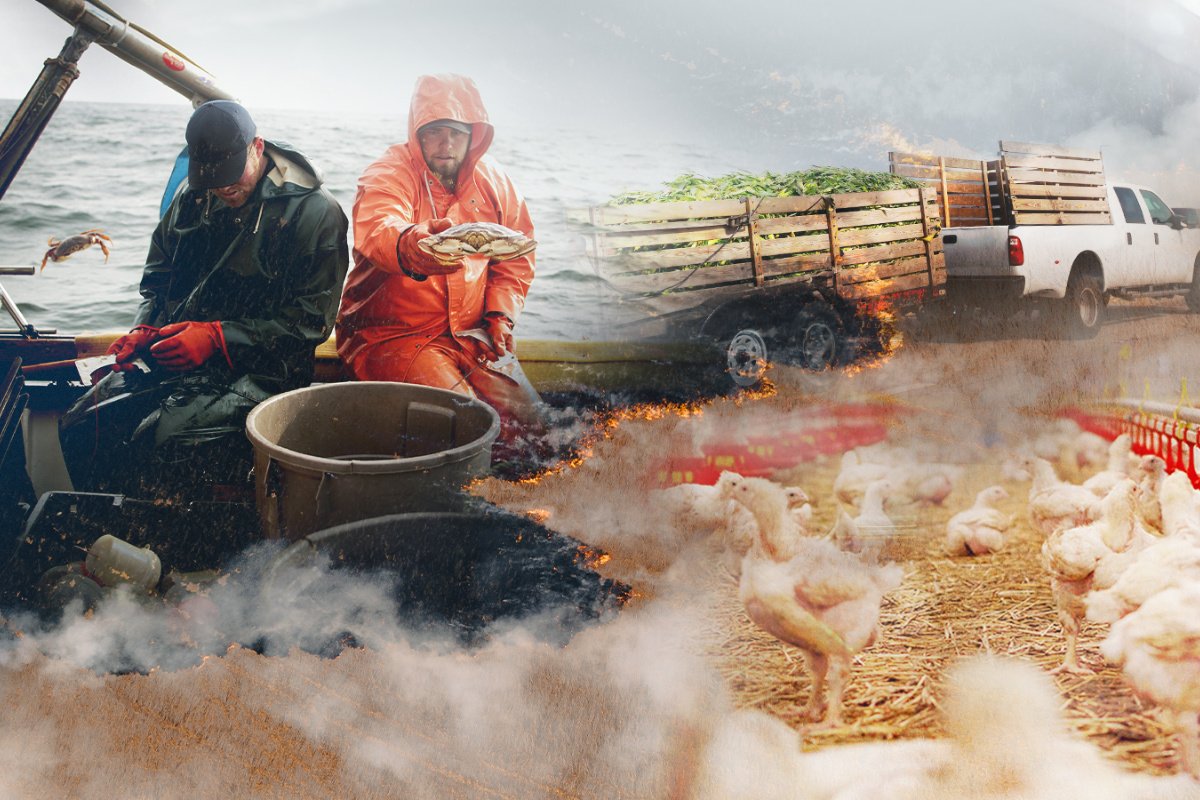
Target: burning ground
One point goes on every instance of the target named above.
(678, 695)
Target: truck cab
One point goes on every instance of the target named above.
(1147, 250)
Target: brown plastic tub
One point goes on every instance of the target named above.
(341, 452)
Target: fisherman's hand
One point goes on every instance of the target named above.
(414, 261)
(186, 345)
(128, 347)
(499, 328)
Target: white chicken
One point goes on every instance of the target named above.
(775, 526)
(800, 507)
(1088, 557)
(855, 476)
(1008, 741)
(1150, 473)
(870, 529)
(696, 509)
(738, 533)
(1050, 443)
(1170, 562)
(1090, 450)
(1179, 505)
(1015, 469)
(981, 528)
(1158, 647)
(913, 481)
(1117, 468)
(823, 601)
(1054, 503)
(734, 539)
(929, 484)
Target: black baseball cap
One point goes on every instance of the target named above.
(217, 135)
(452, 124)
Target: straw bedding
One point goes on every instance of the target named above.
(947, 607)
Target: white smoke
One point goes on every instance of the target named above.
(623, 708)
(1165, 160)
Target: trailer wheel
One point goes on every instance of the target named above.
(746, 357)
(1083, 307)
(818, 339)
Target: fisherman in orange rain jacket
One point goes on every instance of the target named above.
(405, 316)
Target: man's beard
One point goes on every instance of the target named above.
(448, 174)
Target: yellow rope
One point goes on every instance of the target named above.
(1184, 400)
(1125, 355)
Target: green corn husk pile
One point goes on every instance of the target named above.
(815, 181)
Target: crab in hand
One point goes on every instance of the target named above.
(496, 242)
(62, 250)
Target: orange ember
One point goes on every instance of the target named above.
(538, 515)
(591, 557)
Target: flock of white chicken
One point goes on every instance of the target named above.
(1123, 548)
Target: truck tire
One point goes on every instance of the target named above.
(1083, 307)
(1192, 298)
(746, 357)
(818, 341)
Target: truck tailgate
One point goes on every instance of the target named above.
(980, 251)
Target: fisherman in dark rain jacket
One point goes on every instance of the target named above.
(241, 284)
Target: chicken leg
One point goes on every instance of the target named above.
(818, 706)
(839, 673)
(1070, 625)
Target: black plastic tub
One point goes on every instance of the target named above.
(463, 572)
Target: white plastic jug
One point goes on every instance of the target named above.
(113, 561)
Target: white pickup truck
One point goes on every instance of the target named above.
(1147, 251)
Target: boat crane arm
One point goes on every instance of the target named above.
(139, 47)
(95, 22)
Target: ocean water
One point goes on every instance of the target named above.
(104, 165)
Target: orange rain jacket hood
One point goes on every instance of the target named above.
(449, 97)
(380, 302)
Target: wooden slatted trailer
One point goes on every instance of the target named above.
(1050, 185)
(967, 189)
(801, 279)
(1029, 184)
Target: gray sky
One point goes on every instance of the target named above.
(802, 82)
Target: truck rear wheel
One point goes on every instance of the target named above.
(1083, 307)
(1192, 298)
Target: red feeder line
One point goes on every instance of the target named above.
(761, 456)
(1173, 440)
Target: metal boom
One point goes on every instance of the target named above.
(137, 46)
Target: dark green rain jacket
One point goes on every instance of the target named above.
(270, 272)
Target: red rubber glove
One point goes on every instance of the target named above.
(499, 328)
(187, 345)
(128, 347)
(416, 262)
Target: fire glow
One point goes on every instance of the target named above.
(607, 424)
(591, 557)
(891, 339)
